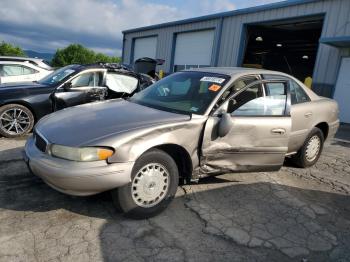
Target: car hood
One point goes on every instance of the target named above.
(77, 126)
(22, 85)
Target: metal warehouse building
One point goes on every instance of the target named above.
(305, 38)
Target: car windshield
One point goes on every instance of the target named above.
(183, 92)
(57, 76)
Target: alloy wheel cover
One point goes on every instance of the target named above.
(14, 121)
(150, 185)
(313, 148)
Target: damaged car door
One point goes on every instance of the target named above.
(249, 131)
(84, 88)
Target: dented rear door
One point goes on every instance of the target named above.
(258, 139)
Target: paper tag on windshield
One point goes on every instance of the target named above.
(217, 80)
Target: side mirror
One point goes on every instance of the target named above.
(67, 86)
(225, 125)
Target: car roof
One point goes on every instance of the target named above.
(18, 58)
(108, 66)
(234, 70)
(35, 61)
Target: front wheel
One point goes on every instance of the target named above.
(154, 182)
(15, 120)
(310, 152)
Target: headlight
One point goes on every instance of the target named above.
(81, 153)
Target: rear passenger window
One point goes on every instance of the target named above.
(12, 70)
(28, 70)
(275, 89)
(298, 95)
(16, 70)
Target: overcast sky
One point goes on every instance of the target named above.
(45, 25)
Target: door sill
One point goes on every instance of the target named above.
(291, 153)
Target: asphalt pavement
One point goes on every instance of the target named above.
(291, 215)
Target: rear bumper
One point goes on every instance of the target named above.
(76, 178)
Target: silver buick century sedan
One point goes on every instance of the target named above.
(189, 125)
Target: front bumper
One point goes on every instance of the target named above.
(76, 178)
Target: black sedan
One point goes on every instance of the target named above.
(22, 104)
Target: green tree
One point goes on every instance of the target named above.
(7, 49)
(78, 54)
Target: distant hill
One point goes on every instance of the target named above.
(46, 56)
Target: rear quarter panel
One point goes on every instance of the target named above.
(323, 110)
(327, 110)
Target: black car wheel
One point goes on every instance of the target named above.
(15, 120)
(153, 185)
(310, 152)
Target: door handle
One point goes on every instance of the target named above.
(279, 131)
(308, 114)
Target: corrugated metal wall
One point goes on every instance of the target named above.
(165, 39)
(336, 23)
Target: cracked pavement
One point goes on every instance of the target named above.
(290, 215)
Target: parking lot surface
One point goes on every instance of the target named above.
(291, 215)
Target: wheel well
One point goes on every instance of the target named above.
(324, 128)
(181, 158)
(22, 104)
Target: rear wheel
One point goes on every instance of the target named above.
(310, 152)
(153, 186)
(15, 120)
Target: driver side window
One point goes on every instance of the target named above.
(87, 79)
(252, 101)
(243, 103)
(244, 97)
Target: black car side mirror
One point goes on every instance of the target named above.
(67, 86)
(225, 125)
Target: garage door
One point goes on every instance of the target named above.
(145, 47)
(193, 49)
(342, 90)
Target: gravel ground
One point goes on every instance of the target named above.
(291, 215)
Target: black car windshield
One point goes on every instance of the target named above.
(58, 75)
(182, 92)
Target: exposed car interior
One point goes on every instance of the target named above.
(188, 92)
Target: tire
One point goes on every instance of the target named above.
(306, 158)
(145, 196)
(15, 112)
